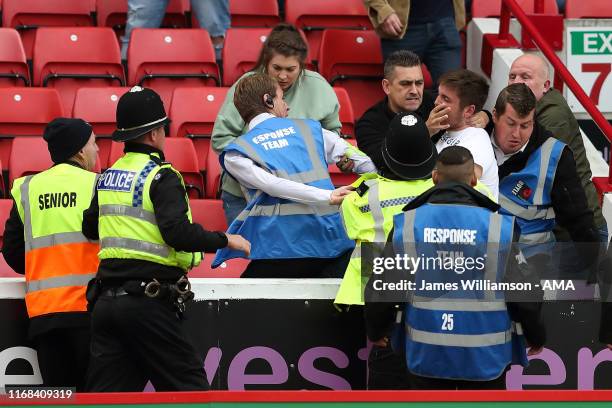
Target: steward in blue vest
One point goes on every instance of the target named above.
(292, 218)
(538, 182)
(458, 338)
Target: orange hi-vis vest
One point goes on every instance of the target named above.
(59, 259)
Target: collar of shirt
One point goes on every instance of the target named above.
(259, 118)
(500, 156)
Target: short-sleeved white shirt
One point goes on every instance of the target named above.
(477, 141)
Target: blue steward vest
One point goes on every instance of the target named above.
(277, 228)
(463, 333)
(526, 195)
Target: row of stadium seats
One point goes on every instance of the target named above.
(208, 213)
(311, 16)
(193, 112)
(68, 58)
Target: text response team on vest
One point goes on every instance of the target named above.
(140, 213)
(281, 165)
(43, 240)
(457, 339)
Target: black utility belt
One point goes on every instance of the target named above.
(150, 288)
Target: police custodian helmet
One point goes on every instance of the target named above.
(139, 111)
(407, 149)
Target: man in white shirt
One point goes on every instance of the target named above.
(292, 216)
(465, 92)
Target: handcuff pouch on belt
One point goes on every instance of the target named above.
(178, 293)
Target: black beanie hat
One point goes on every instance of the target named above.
(407, 149)
(65, 137)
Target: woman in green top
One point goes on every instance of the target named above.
(307, 93)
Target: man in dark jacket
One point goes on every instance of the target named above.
(454, 178)
(554, 114)
(538, 172)
(405, 88)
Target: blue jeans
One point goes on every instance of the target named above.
(213, 15)
(437, 44)
(232, 206)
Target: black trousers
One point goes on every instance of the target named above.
(63, 354)
(298, 268)
(387, 370)
(135, 339)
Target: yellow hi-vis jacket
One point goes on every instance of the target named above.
(128, 227)
(59, 259)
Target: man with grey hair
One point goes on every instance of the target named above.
(554, 114)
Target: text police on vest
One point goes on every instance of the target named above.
(52, 200)
(274, 144)
(449, 236)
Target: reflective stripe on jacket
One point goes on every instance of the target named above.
(59, 259)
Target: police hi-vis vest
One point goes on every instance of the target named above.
(291, 149)
(128, 227)
(526, 195)
(59, 259)
(368, 217)
(464, 332)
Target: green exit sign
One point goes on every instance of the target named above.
(591, 42)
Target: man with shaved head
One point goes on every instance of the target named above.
(455, 164)
(553, 113)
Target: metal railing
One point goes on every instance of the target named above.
(561, 72)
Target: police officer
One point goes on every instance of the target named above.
(409, 157)
(43, 240)
(148, 242)
(455, 338)
(292, 216)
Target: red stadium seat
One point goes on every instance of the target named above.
(352, 59)
(347, 118)
(209, 214)
(29, 155)
(241, 51)
(164, 59)
(193, 112)
(5, 211)
(181, 153)
(213, 175)
(249, 13)
(27, 15)
(340, 179)
(13, 66)
(313, 16)
(492, 8)
(73, 57)
(588, 9)
(25, 112)
(98, 106)
(228, 269)
(113, 13)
